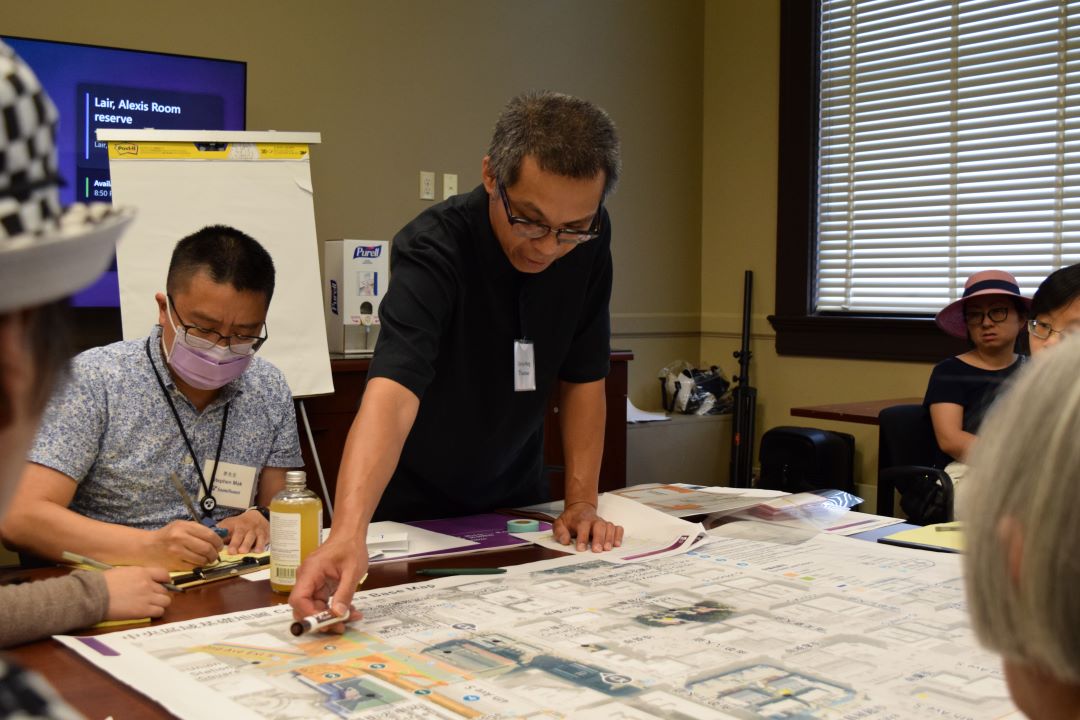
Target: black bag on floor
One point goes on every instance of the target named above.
(801, 459)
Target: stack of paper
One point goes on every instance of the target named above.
(634, 415)
(383, 542)
(683, 500)
(649, 533)
(808, 511)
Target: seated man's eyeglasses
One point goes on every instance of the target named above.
(533, 230)
(996, 314)
(198, 337)
(1043, 330)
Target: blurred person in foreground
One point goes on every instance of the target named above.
(1022, 570)
(45, 256)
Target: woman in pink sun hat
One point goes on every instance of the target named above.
(991, 315)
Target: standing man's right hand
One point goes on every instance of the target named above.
(328, 578)
(181, 545)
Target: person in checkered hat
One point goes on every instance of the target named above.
(47, 253)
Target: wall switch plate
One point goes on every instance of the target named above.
(449, 185)
(427, 185)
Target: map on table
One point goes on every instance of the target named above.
(762, 622)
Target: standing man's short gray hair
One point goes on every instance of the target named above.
(1023, 533)
(566, 135)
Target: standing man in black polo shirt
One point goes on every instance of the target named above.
(497, 295)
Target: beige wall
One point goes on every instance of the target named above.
(399, 86)
(742, 53)
(396, 86)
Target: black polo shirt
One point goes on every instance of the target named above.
(954, 381)
(453, 310)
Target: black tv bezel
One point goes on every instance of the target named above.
(92, 326)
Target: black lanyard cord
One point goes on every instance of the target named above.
(209, 489)
(522, 302)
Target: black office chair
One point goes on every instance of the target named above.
(907, 449)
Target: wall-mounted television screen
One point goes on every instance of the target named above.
(103, 87)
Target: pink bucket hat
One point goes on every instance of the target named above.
(984, 282)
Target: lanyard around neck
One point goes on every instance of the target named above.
(207, 488)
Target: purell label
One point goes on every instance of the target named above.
(367, 251)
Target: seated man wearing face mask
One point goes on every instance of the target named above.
(193, 400)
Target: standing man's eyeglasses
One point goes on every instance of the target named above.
(534, 230)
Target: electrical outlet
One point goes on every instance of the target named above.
(427, 185)
(449, 185)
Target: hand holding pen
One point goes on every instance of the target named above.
(321, 620)
(137, 592)
(183, 545)
(134, 592)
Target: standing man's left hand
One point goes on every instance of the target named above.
(579, 520)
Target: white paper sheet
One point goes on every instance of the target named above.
(421, 541)
(765, 621)
(271, 201)
(853, 522)
(649, 533)
(634, 415)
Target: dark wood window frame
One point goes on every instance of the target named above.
(799, 330)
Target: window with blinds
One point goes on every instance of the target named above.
(949, 143)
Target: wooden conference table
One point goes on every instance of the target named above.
(97, 695)
(864, 411)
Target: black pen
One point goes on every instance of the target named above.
(460, 571)
(321, 620)
(206, 520)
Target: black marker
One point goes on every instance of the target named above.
(321, 620)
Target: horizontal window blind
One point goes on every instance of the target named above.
(949, 143)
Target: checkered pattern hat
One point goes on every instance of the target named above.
(45, 253)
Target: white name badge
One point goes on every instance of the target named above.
(524, 366)
(234, 485)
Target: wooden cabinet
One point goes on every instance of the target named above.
(330, 417)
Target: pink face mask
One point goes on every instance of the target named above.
(204, 368)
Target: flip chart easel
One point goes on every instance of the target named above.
(258, 182)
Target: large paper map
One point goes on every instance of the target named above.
(811, 627)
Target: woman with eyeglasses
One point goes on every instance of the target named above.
(1055, 309)
(990, 315)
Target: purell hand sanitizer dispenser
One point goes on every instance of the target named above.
(357, 274)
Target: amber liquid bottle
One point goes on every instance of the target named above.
(295, 530)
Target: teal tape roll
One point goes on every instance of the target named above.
(522, 526)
